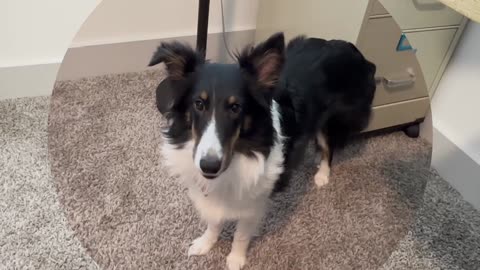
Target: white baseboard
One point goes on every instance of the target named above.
(95, 60)
(455, 166)
(27, 81)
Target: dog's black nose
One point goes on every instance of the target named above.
(210, 165)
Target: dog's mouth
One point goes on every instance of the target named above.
(207, 182)
(213, 176)
(210, 176)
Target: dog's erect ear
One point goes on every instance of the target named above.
(264, 61)
(179, 58)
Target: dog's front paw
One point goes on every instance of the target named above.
(321, 178)
(201, 246)
(236, 261)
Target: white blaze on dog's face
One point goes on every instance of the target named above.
(209, 153)
(219, 108)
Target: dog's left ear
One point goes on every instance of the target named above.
(265, 61)
(180, 59)
(181, 62)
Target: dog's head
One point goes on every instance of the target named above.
(224, 108)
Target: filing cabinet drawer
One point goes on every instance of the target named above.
(379, 45)
(411, 14)
(431, 48)
(398, 113)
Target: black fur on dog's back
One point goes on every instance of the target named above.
(330, 87)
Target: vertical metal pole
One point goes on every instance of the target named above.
(202, 25)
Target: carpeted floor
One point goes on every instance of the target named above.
(383, 209)
(33, 230)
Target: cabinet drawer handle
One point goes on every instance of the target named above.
(393, 81)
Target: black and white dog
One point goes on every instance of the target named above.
(235, 131)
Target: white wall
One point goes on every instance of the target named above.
(456, 105)
(339, 19)
(39, 32)
(35, 34)
(456, 117)
(126, 20)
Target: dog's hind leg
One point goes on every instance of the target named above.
(323, 174)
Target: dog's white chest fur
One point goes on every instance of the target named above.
(240, 191)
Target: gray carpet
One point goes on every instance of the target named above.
(33, 230)
(383, 209)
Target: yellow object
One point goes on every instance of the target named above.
(469, 8)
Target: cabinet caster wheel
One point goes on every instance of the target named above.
(412, 131)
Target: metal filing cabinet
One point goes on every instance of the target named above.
(411, 42)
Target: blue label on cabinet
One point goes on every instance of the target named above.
(403, 44)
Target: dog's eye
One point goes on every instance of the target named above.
(199, 105)
(235, 108)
